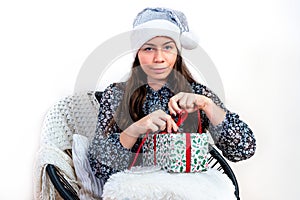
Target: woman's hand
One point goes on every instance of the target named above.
(155, 121)
(187, 101)
(192, 102)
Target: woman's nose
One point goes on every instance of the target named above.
(158, 56)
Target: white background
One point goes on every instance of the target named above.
(254, 44)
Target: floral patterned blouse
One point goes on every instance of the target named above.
(107, 155)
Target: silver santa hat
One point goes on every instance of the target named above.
(153, 22)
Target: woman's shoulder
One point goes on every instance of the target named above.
(115, 87)
(114, 91)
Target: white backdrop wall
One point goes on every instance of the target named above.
(254, 44)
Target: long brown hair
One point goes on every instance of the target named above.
(131, 106)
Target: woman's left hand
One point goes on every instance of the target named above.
(192, 102)
(187, 101)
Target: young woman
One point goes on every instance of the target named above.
(159, 87)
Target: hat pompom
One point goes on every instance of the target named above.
(188, 40)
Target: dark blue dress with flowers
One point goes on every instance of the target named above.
(107, 155)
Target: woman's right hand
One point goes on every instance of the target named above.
(155, 121)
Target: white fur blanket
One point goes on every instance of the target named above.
(147, 183)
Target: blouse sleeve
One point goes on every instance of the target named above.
(106, 153)
(233, 136)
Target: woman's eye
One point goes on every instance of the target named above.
(148, 49)
(168, 47)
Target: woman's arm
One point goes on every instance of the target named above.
(234, 138)
(106, 154)
(231, 135)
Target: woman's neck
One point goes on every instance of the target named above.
(157, 84)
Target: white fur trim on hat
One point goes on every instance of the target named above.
(148, 30)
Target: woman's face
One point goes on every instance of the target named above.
(157, 58)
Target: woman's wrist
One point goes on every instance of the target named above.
(127, 140)
(129, 136)
(215, 114)
(131, 131)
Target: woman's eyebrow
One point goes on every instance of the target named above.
(168, 42)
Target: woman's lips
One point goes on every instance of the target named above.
(159, 70)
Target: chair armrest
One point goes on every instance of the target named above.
(217, 158)
(64, 189)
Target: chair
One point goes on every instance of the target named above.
(66, 191)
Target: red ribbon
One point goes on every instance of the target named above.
(154, 147)
(188, 152)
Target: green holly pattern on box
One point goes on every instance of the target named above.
(171, 152)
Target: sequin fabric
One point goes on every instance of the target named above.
(107, 155)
